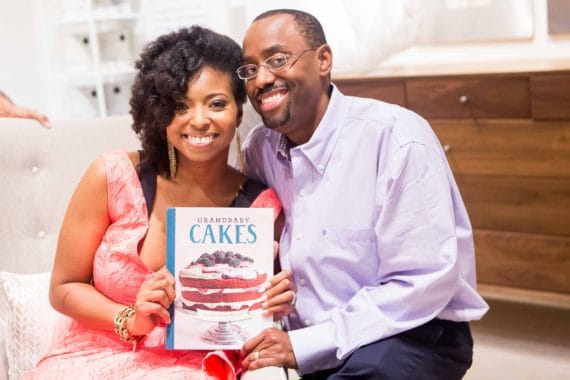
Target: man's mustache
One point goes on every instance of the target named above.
(271, 87)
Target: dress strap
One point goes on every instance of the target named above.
(147, 177)
(247, 194)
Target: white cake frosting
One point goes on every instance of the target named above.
(219, 271)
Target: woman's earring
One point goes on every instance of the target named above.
(241, 165)
(171, 159)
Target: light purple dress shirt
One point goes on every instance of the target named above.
(376, 235)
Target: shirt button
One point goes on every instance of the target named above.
(302, 282)
(302, 192)
(35, 169)
(321, 166)
(307, 322)
(41, 234)
(299, 236)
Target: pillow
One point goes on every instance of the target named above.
(30, 320)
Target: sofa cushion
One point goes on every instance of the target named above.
(29, 322)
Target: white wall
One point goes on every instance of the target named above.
(20, 67)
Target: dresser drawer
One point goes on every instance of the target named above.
(550, 96)
(520, 260)
(388, 90)
(517, 204)
(476, 97)
(502, 147)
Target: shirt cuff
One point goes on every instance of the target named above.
(314, 348)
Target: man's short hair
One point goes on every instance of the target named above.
(310, 28)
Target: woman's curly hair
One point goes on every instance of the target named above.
(165, 67)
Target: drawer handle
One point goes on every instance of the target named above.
(446, 148)
(463, 99)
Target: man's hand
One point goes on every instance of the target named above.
(271, 347)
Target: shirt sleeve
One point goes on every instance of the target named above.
(416, 245)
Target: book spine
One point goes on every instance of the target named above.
(170, 265)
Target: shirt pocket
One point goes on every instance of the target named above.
(350, 237)
(349, 256)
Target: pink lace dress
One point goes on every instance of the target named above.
(79, 352)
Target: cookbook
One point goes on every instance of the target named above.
(221, 258)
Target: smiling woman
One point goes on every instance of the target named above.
(206, 121)
(109, 276)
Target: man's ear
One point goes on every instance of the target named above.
(324, 55)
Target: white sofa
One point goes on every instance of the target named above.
(40, 169)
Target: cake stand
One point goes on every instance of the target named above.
(223, 331)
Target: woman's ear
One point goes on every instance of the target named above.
(324, 55)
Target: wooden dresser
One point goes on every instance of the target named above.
(507, 138)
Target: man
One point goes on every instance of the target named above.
(9, 109)
(376, 234)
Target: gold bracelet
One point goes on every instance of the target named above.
(120, 325)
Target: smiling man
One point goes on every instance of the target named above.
(377, 235)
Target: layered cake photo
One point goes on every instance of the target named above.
(221, 286)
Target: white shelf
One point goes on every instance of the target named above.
(118, 17)
(89, 50)
(78, 20)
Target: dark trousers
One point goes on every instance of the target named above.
(437, 350)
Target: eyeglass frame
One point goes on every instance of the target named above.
(272, 70)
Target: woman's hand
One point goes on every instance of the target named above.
(153, 300)
(280, 295)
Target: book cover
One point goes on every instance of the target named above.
(221, 258)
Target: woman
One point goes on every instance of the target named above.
(186, 105)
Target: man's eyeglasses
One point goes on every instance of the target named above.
(274, 63)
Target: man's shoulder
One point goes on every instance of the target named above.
(401, 124)
(361, 107)
(380, 114)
